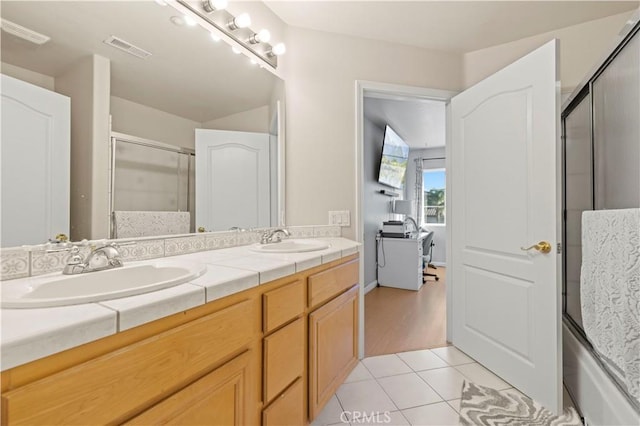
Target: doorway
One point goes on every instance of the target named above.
(394, 320)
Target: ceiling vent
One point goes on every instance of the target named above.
(121, 44)
(24, 33)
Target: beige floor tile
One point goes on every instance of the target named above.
(394, 418)
(439, 414)
(386, 365)
(452, 355)
(455, 404)
(408, 390)
(330, 414)
(359, 373)
(365, 396)
(481, 376)
(422, 360)
(446, 381)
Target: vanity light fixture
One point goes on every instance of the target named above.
(277, 50)
(241, 21)
(234, 30)
(213, 5)
(262, 36)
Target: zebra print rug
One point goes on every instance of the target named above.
(485, 406)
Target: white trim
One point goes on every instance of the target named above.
(443, 264)
(373, 284)
(596, 396)
(449, 229)
(371, 89)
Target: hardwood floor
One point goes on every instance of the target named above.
(403, 320)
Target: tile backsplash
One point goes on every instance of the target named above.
(21, 262)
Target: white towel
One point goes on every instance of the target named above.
(128, 224)
(610, 290)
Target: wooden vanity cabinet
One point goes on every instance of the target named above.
(273, 354)
(203, 350)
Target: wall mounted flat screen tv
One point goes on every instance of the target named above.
(395, 156)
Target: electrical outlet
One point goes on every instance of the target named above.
(340, 217)
(345, 219)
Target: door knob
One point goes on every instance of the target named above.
(542, 247)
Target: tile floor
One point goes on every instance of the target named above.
(411, 388)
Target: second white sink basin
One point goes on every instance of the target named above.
(62, 290)
(291, 246)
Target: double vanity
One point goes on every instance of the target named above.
(255, 334)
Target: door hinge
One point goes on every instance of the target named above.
(559, 248)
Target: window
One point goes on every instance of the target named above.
(433, 201)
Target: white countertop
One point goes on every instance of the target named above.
(30, 334)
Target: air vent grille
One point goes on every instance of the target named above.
(125, 46)
(24, 33)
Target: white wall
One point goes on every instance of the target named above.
(376, 208)
(253, 120)
(42, 80)
(88, 85)
(321, 71)
(439, 231)
(581, 46)
(150, 123)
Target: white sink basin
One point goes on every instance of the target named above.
(62, 290)
(291, 246)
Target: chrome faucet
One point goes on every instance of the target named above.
(100, 258)
(273, 235)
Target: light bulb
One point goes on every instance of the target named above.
(189, 21)
(278, 49)
(236, 50)
(213, 5)
(241, 21)
(262, 36)
(253, 61)
(161, 2)
(215, 37)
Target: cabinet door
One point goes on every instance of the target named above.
(219, 398)
(333, 347)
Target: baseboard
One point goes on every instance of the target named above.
(443, 264)
(596, 396)
(373, 284)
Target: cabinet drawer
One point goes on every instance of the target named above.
(281, 305)
(216, 399)
(283, 358)
(287, 409)
(327, 284)
(113, 387)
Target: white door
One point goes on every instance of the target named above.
(232, 179)
(35, 151)
(504, 196)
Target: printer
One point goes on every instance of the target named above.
(395, 229)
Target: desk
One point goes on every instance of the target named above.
(400, 261)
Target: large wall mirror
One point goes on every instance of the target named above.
(182, 86)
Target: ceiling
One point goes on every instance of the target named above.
(188, 74)
(456, 26)
(419, 122)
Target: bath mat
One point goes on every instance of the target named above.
(481, 405)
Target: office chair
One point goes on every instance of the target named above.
(427, 246)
